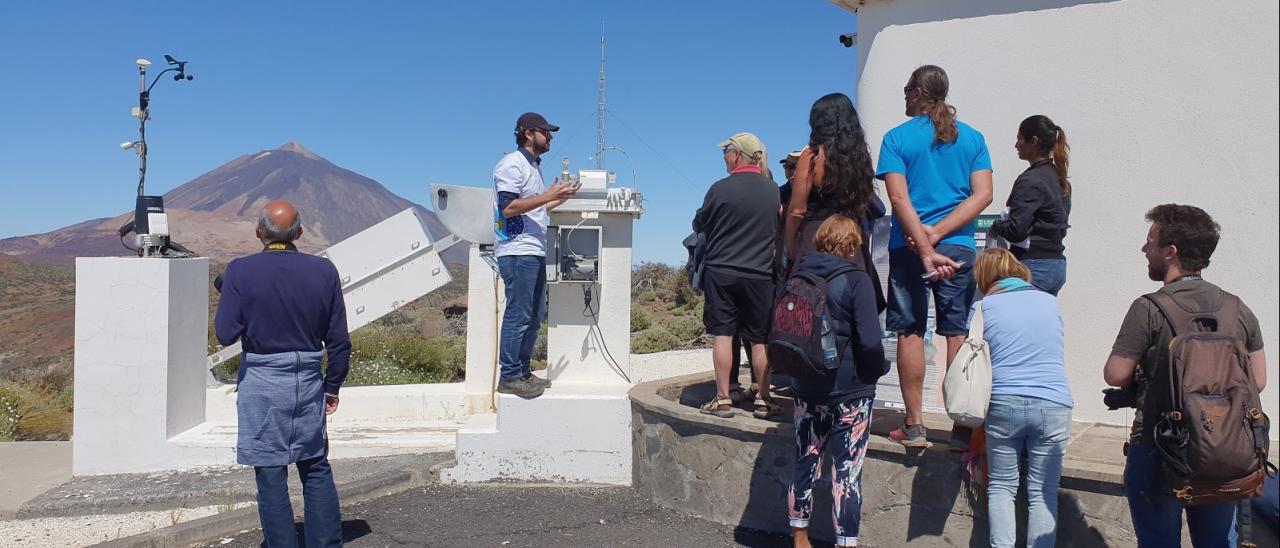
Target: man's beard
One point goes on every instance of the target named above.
(542, 148)
(1155, 273)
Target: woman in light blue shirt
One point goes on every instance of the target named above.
(1030, 399)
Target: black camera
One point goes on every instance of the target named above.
(1119, 398)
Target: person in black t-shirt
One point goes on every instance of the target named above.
(739, 217)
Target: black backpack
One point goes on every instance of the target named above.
(802, 340)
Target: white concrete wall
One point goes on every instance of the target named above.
(141, 331)
(1163, 101)
(368, 405)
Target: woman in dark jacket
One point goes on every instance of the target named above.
(833, 411)
(833, 176)
(1036, 218)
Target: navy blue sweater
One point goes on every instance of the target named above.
(852, 301)
(285, 301)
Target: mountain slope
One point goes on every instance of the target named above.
(215, 214)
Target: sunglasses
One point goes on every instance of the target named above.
(908, 89)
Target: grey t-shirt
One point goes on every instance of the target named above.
(1145, 335)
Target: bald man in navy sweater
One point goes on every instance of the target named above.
(287, 311)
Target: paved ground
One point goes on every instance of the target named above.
(31, 468)
(512, 515)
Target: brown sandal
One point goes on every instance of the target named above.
(766, 408)
(720, 407)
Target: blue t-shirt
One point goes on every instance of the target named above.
(1024, 331)
(937, 173)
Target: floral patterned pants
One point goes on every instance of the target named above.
(839, 432)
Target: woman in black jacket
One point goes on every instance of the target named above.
(1035, 221)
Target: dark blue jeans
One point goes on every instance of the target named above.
(322, 519)
(1157, 515)
(525, 279)
(1048, 275)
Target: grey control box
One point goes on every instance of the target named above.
(573, 253)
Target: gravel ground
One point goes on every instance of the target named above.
(199, 487)
(76, 531)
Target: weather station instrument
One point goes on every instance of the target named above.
(150, 225)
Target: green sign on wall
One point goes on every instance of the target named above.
(984, 222)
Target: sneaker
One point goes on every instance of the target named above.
(520, 387)
(911, 435)
(538, 381)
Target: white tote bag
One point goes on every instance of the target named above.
(966, 389)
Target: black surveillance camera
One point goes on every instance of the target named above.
(849, 39)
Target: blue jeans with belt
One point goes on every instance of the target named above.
(322, 520)
(525, 279)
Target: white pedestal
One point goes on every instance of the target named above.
(141, 335)
(592, 346)
(484, 316)
(580, 429)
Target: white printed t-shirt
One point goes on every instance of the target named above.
(519, 173)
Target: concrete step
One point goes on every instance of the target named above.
(572, 433)
(348, 439)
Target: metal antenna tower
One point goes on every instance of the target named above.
(600, 109)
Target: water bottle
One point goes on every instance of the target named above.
(828, 342)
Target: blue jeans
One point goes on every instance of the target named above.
(525, 279)
(1048, 275)
(322, 519)
(1157, 515)
(1041, 428)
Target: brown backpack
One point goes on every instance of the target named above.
(1212, 434)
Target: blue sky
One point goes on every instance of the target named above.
(407, 93)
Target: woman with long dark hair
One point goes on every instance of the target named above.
(1039, 203)
(833, 176)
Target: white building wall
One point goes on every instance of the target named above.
(1163, 101)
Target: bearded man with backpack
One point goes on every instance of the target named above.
(1191, 355)
(826, 336)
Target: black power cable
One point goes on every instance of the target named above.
(595, 328)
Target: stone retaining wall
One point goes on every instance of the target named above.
(736, 471)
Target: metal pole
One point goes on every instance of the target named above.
(142, 127)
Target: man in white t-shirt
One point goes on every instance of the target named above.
(520, 227)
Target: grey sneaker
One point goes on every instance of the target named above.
(538, 381)
(911, 435)
(520, 387)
